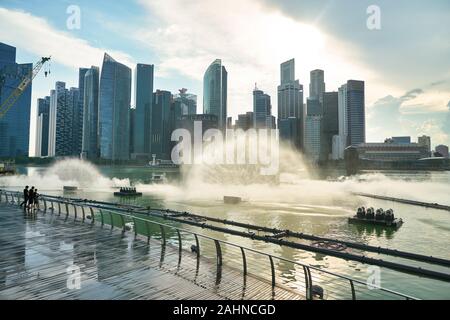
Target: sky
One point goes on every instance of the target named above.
(405, 63)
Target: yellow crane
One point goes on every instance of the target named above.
(17, 92)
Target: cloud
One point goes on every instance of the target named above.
(252, 40)
(35, 35)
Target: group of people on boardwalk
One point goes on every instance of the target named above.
(30, 198)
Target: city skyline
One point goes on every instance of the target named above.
(414, 105)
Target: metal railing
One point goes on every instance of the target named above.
(308, 281)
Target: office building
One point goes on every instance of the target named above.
(143, 112)
(425, 141)
(313, 107)
(313, 127)
(290, 102)
(356, 117)
(262, 108)
(90, 145)
(215, 90)
(114, 110)
(289, 131)
(316, 85)
(442, 150)
(330, 124)
(390, 151)
(244, 121)
(161, 125)
(42, 127)
(15, 124)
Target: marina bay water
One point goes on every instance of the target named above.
(307, 201)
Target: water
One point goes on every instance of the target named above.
(303, 201)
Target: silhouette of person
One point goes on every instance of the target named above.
(25, 197)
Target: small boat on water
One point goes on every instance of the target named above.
(378, 217)
(158, 178)
(127, 192)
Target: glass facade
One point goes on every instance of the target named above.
(161, 124)
(356, 123)
(42, 128)
(330, 124)
(317, 84)
(15, 125)
(114, 110)
(215, 92)
(262, 109)
(144, 100)
(90, 114)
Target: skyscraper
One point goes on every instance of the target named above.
(144, 100)
(186, 102)
(290, 99)
(262, 108)
(340, 140)
(426, 142)
(215, 92)
(313, 128)
(317, 85)
(356, 118)
(90, 147)
(78, 114)
(114, 110)
(42, 126)
(330, 124)
(161, 124)
(15, 125)
(62, 105)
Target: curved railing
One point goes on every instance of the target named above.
(313, 282)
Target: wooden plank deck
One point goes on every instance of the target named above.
(36, 252)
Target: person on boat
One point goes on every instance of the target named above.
(25, 197)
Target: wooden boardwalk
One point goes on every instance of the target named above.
(38, 255)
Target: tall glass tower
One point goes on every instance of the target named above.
(290, 99)
(15, 125)
(262, 109)
(215, 92)
(90, 114)
(142, 118)
(42, 126)
(356, 118)
(114, 110)
(317, 85)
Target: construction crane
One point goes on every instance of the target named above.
(17, 92)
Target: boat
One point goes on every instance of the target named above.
(158, 178)
(127, 192)
(378, 217)
(7, 168)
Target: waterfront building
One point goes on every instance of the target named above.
(262, 108)
(161, 125)
(144, 76)
(271, 122)
(313, 126)
(390, 151)
(400, 140)
(290, 103)
(442, 150)
(317, 85)
(425, 141)
(90, 146)
(15, 124)
(187, 102)
(356, 117)
(114, 110)
(215, 90)
(42, 127)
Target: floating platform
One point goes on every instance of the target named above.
(396, 223)
(232, 200)
(127, 192)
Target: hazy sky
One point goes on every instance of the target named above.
(406, 64)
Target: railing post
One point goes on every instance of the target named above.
(353, 290)
(92, 215)
(67, 209)
(123, 223)
(272, 268)
(101, 217)
(59, 208)
(83, 212)
(244, 264)
(112, 220)
(163, 236)
(197, 244)
(180, 247)
(147, 227)
(45, 204)
(135, 227)
(308, 283)
(76, 213)
(218, 261)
